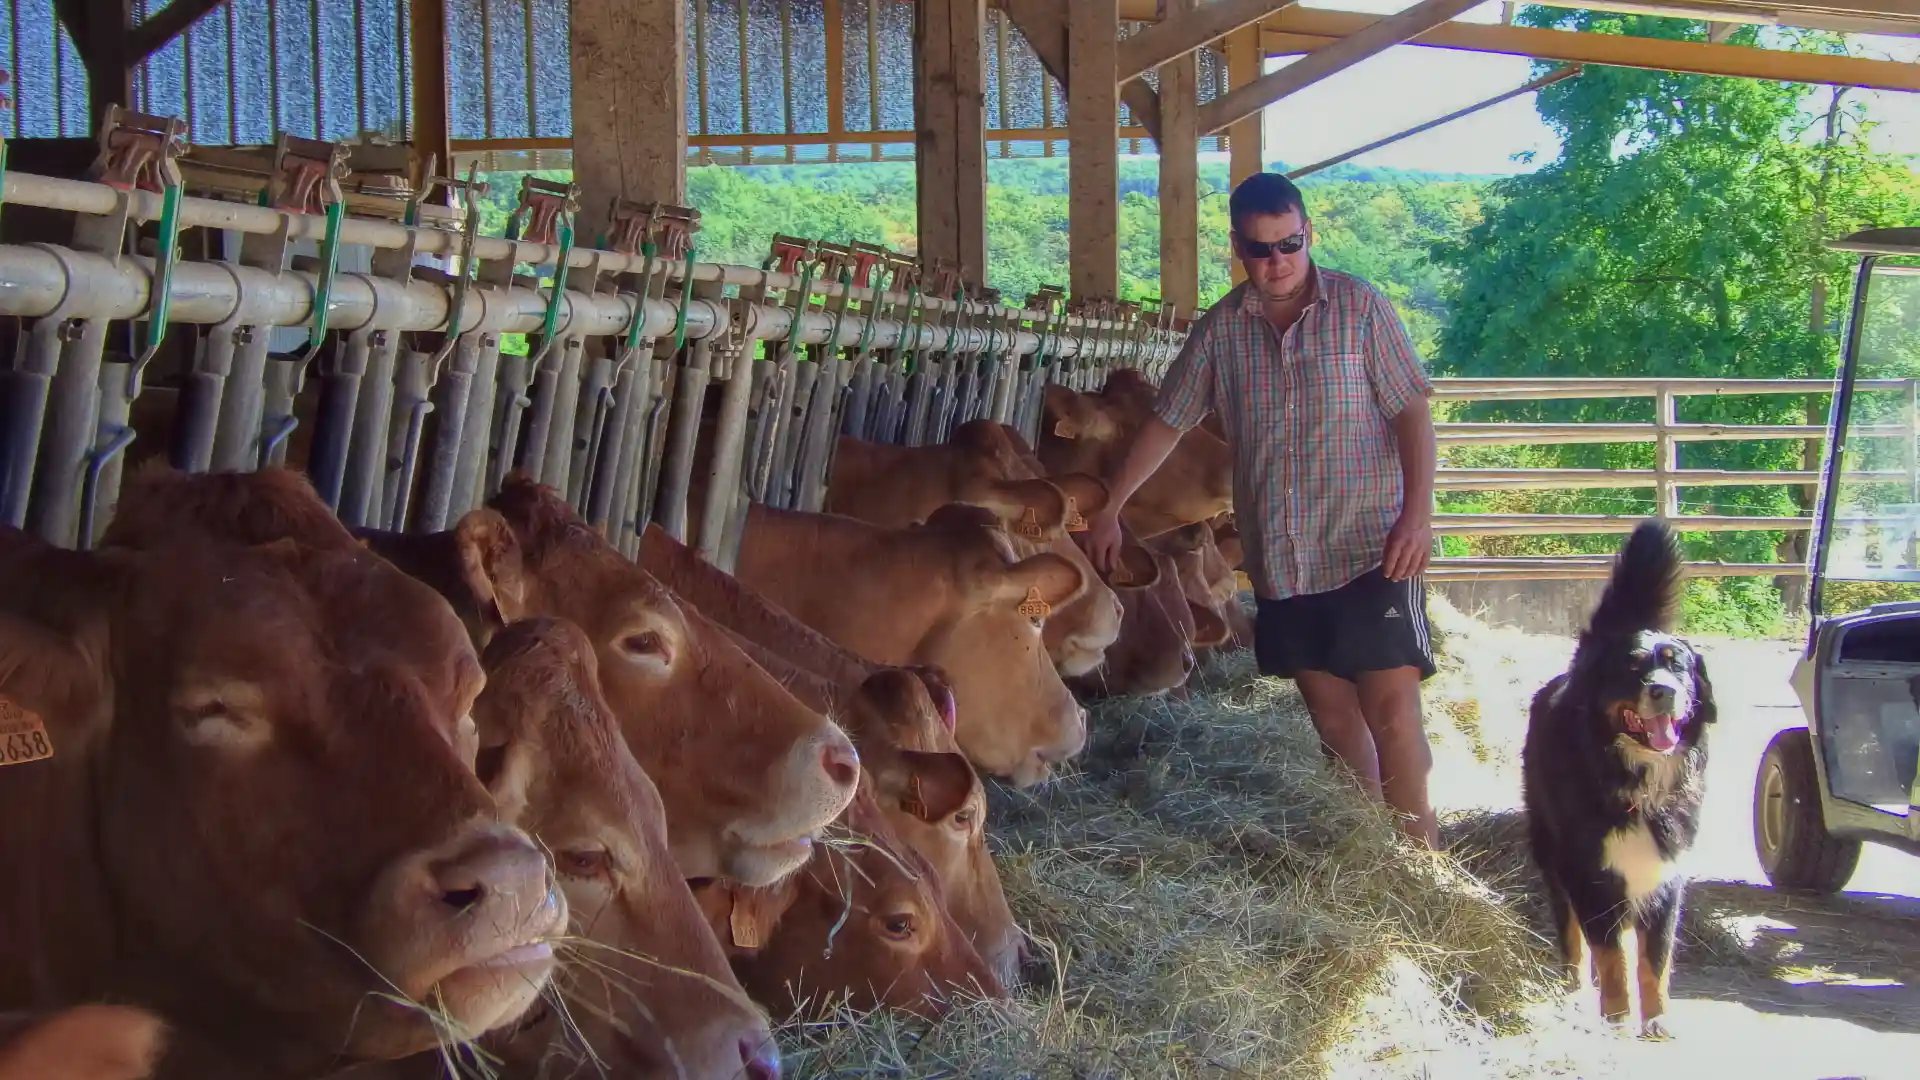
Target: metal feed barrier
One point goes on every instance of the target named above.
(641, 367)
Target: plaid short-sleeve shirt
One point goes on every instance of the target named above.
(1316, 478)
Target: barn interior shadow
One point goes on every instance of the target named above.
(1852, 957)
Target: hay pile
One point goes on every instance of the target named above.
(1213, 902)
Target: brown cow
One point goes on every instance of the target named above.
(863, 922)
(1089, 432)
(901, 719)
(1157, 641)
(949, 593)
(295, 858)
(1207, 579)
(748, 773)
(86, 1042)
(650, 991)
(898, 486)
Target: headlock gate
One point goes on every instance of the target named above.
(654, 387)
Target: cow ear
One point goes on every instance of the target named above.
(1230, 550)
(1039, 583)
(937, 784)
(754, 912)
(1030, 509)
(1090, 494)
(1183, 540)
(491, 564)
(1138, 569)
(50, 694)
(1208, 627)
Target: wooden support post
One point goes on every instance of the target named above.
(1246, 139)
(629, 106)
(951, 153)
(1666, 454)
(1044, 24)
(1180, 176)
(432, 127)
(1093, 163)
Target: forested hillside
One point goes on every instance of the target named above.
(1678, 233)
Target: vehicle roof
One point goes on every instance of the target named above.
(1904, 241)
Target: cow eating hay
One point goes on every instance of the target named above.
(1209, 901)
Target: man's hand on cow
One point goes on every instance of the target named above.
(1409, 545)
(1101, 541)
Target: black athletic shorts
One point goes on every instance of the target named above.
(1368, 624)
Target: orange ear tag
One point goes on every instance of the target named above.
(1029, 525)
(1121, 575)
(23, 735)
(915, 803)
(1075, 523)
(1066, 429)
(746, 932)
(1033, 607)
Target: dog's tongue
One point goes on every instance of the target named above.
(1660, 733)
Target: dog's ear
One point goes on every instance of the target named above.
(1703, 707)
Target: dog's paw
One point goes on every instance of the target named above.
(1655, 1027)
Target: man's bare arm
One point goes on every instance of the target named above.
(1146, 451)
(1410, 543)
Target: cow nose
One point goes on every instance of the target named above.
(842, 763)
(760, 1061)
(494, 866)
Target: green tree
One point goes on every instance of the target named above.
(1679, 234)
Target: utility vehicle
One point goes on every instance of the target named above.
(1852, 774)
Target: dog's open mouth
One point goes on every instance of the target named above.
(1661, 731)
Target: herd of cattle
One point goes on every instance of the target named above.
(289, 799)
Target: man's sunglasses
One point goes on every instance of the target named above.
(1260, 249)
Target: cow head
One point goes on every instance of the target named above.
(864, 922)
(1155, 650)
(935, 802)
(747, 772)
(259, 818)
(1207, 581)
(1091, 433)
(650, 991)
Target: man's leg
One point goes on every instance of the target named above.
(1380, 640)
(1344, 734)
(1290, 642)
(1390, 701)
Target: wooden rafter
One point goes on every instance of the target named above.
(1841, 16)
(1173, 38)
(1301, 30)
(1375, 37)
(1044, 24)
(168, 23)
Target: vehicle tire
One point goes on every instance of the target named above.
(1796, 851)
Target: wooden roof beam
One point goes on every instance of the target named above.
(1044, 24)
(1898, 17)
(1170, 39)
(1303, 30)
(1376, 37)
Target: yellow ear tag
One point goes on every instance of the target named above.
(1075, 523)
(1066, 429)
(1033, 607)
(746, 932)
(915, 803)
(1120, 575)
(1029, 525)
(23, 735)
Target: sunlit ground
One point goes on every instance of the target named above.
(1767, 986)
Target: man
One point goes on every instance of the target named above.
(1325, 405)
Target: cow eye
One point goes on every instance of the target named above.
(647, 643)
(963, 819)
(582, 864)
(897, 927)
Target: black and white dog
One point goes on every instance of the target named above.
(1613, 772)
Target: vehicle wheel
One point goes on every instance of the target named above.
(1795, 848)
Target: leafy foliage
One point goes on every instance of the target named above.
(1678, 234)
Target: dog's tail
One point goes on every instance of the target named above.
(1644, 591)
